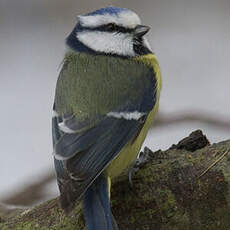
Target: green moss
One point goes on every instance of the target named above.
(2, 227)
(166, 194)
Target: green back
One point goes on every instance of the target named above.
(89, 86)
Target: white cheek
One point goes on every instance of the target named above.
(114, 43)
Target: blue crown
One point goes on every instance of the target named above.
(107, 10)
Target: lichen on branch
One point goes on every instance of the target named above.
(170, 191)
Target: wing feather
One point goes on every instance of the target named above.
(97, 132)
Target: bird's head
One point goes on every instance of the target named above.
(110, 30)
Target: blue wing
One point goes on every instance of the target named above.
(87, 153)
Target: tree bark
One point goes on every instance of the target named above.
(184, 187)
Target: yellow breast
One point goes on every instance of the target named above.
(129, 153)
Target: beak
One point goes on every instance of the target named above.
(141, 30)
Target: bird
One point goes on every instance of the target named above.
(107, 95)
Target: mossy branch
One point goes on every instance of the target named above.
(170, 191)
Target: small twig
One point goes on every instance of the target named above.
(214, 163)
(31, 193)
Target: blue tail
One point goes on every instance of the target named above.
(97, 210)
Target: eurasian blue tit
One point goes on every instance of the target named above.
(107, 95)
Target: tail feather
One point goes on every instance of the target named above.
(97, 210)
(96, 200)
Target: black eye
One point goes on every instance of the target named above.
(111, 27)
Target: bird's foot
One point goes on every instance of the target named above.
(143, 158)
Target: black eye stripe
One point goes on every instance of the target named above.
(111, 27)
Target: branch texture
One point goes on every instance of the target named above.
(184, 187)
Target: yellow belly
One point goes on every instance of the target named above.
(129, 153)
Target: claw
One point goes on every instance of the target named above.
(132, 172)
(142, 158)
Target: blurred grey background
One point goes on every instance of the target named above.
(190, 38)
